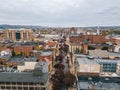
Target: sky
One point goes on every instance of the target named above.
(60, 12)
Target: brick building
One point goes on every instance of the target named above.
(25, 50)
(3, 47)
(115, 40)
(81, 42)
(77, 38)
(93, 39)
(97, 39)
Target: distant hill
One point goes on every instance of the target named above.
(104, 27)
(5, 26)
(37, 27)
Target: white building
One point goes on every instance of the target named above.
(26, 66)
(49, 36)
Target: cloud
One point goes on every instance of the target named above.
(110, 11)
(60, 12)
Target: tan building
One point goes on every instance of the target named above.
(88, 67)
(28, 65)
(2, 35)
(99, 53)
(19, 35)
(83, 48)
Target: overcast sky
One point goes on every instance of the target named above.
(60, 12)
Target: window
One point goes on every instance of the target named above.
(18, 35)
(10, 35)
(2, 87)
(8, 83)
(24, 36)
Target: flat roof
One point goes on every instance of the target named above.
(5, 57)
(83, 59)
(23, 77)
(107, 61)
(25, 44)
(98, 86)
(86, 61)
(99, 83)
(46, 53)
(36, 51)
(98, 53)
(16, 59)
(22, 59)
(32, 59)
(114, 54)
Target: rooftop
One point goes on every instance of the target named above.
(25, 43)
(5, 57)
(44, 65)
(16, 59)
(32, 59)
(23, 77)
(46, 53)
(114, 54)
(22, 59)
(99, 83)
(99, 86)
(108, 60)
(102, 53)
(86, 61)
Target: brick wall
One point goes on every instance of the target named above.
(95, 39)
(24, 49)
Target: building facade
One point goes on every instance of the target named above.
(25, 50)
(87, 67)
(108, 65)
(37, 79)
(19, 35)
(93, 39)
(23, 81)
